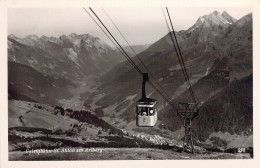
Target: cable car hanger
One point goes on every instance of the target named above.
(146, 111)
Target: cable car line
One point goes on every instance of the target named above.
(107, 35)
(175, 48)
(190, 110)
(130, 60)
(103, 31)
(181, 64)
(146, 107)
(146, 68)
(179, 56)
(163, 96)
(125, 54)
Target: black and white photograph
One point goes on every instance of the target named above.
(130, 83)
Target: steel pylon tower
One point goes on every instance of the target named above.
(187, 112)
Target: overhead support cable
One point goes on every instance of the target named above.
(179, 55)
(125, 54)
(140, 60)
(129, 59)
(103, 31)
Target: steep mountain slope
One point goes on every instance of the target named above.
(217, 50)
(69, 57)
(228, 111)
(137, 48)
(240, 49)
(235, 61)
(25, 83)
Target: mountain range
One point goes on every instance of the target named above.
(217, 51)
(71, 56)
(64, 60)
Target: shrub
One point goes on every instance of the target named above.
(70, 132)
(219, 142)
(58, 131)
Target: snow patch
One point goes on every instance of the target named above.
(207, 72)
(71, 54)
(131, 97)
(51, 66)
(175, 67)
(42, 95)
(201, 19)
(32, 62)
(30, 87)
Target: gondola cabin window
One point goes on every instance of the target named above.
(146, 111)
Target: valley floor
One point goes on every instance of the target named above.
(123, 154)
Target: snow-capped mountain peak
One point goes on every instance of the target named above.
(216, 13)
(212, 20)
(229, 18)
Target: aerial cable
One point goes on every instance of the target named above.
(146, 68)
(192, 93)
(129, 59)
(125, 54)
(163, 96)
(104, 31)
(179, 59)
(179, 56)
(108, 36)
(168, 27)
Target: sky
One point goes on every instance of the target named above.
(138, 25)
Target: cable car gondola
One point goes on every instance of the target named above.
(146, 108)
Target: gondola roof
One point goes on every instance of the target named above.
(146, 100)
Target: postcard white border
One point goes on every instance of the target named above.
(5, 4)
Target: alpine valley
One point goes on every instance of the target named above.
(78, 85)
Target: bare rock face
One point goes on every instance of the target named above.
(71, 56)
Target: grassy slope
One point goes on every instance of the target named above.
(34, 117)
